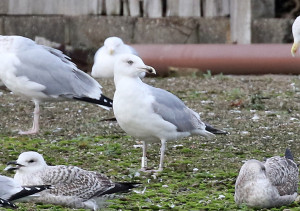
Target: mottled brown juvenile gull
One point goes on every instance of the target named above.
(41, 73)
(296, 35)
(152, 114)
(105, 57)
(73, 186)
(11, 190)
(272, 183)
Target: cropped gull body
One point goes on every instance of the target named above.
(41, 73)
(106, 55)
(73, 186)
(296, 35)
(272, 183)
(152, 114)
(5, 203)
(11, 190)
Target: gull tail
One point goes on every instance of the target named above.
(29, 190)
(5, 203)
(103, 101)
(121, 187)
(215, 131)
(288, 154)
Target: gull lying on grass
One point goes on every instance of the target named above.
(11, 190)
(272, 183)
(149, 113)
(41, 73)
(73, 186)
(105, 57)
(8, 204)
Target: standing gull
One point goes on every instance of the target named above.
(296, 35)
(74, 187)
(41, 73)
(272, 183)
(150, 113)
(11, 190)
(106, 55)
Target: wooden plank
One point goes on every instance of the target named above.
(113, 7)
(54, 7)
(134, 8)
(190, 8)
(4, 7)
(240, 21)
(172, 8)
(101, 7)
(215, 8)
(184, 8)
(152, 8)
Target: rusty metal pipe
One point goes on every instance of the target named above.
(221, 58)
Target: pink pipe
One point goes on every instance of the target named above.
(221, 58)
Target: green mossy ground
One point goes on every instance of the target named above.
(199, 174)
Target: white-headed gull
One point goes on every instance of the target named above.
(106, 55)
(152, 114)
(41, 73)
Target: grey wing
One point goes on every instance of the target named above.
(73, 181)
(283, 173)
(51, 68)
(173, 110)
(8, 187)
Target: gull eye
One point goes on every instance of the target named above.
(130, 62)
(30, 161)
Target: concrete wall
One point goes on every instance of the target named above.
(91, 31)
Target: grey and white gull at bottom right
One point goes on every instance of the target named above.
(273, 183)
(152, 114)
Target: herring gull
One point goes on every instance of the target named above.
(41, 73)
(152, 114)
(73, 186)
(106, 55)
(296, 35)
(11, 190)
(8, 204)
(272, 183)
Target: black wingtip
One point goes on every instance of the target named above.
(288, 154)
(5, 203)
(121, 187)
(215, 131)
(29, 190)
(102, 101)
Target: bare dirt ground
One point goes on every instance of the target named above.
(261, 113)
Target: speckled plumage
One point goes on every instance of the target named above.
(74, 187)
(272, 183)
